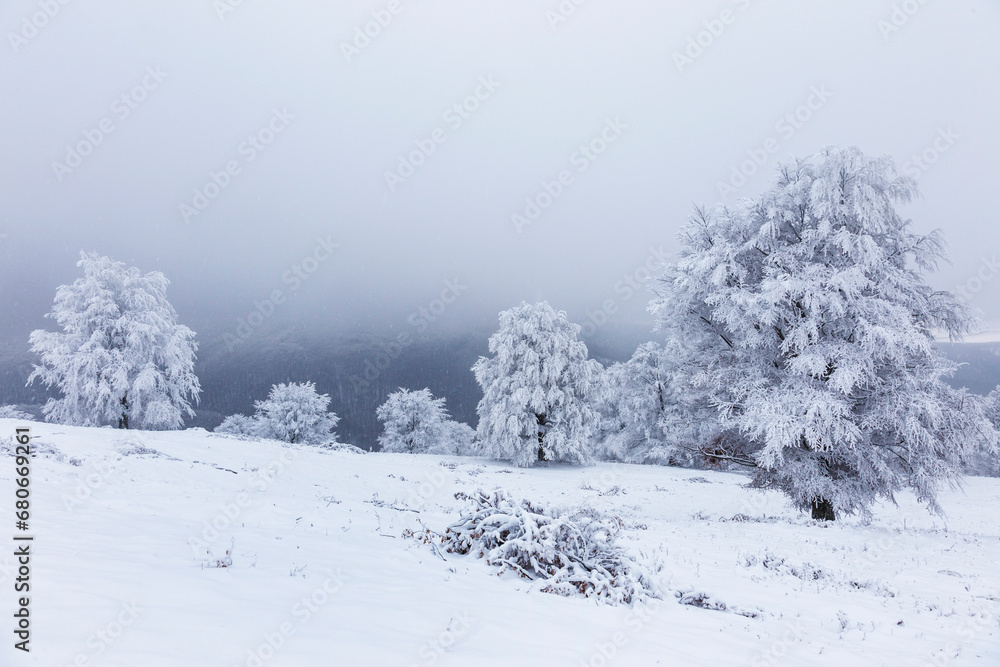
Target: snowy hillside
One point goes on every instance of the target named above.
(320, 570)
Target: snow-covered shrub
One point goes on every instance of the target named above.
(240, 425)
(39, 448)
(121, 359)
(341, 447)
(566, 553)
(809, 320)
(213, 561)
(416, 422)
(13, 412)
(292, 413)
(135, 447)
(536, 403)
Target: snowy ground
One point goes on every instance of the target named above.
(320, 570)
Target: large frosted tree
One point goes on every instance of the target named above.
(121, 358)
(811, 324)
(536, 403)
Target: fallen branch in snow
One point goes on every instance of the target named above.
(705, 601)
(430, 543)
(564, 553)
(381, 503)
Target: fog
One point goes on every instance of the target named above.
(277, 138)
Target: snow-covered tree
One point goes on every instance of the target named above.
(416, 422)
(537, 387)
(992, 404)
(457, 440)
(988, 463)
(411, 421)
(121, 358)
(810, 322)
(650, 412)
(295, 413)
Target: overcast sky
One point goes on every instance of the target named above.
(308, 115)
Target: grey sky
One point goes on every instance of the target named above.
(679, 129)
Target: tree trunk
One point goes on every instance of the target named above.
(541, 437)
(123, 420)
(822, 510)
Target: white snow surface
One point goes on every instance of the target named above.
(320, 568)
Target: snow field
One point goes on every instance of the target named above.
(320, 574)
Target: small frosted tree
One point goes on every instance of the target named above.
(809, 321)
(650, 412)
(416, 422)
(411, 421)
(296, 413)
(121, 358)
(293, 413)
(536, 403)
(458, 439)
